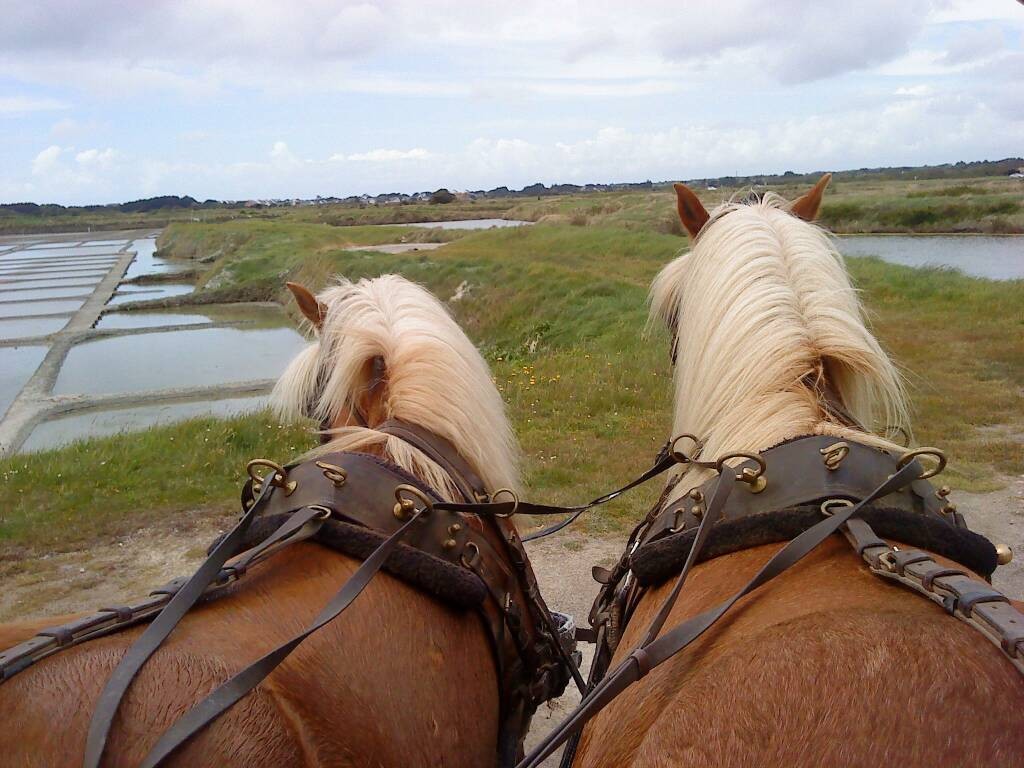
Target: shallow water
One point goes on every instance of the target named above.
(43, 293)
(201, 357)
(470, 224)
(254, 317)
(145, 263)
(148, 292)
(17, 364)
(39, 308)
(67, 429)
(998, 258)
(36, 326)
(91, 280)
(77, 250)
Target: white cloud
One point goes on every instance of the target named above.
(385, 155)
(96, 158)
(20, 105)
(46, 160)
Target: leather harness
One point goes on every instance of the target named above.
(842, 479)
(350, 491)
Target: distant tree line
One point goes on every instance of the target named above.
(1005, 167)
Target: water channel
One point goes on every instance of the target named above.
(115, 370)
(123, 370)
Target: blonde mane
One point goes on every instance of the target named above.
(766, 318)
(434, 378)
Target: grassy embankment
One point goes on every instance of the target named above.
(558, 310)
(990, 206)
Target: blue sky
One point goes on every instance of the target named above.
(111, 101)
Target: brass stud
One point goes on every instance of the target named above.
(943, 492)
(449, 543)
(949, 509)
(454, 528)
(698, 511)
(1003, 554)
(755, 480)
(696, 494)
(403, 507)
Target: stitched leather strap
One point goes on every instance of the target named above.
(969, 600)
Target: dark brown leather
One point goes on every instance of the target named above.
(797, 474)
(966, 598)
(441, 452)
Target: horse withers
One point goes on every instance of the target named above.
(402, 678)
(827, 664)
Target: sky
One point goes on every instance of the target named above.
(112, 100)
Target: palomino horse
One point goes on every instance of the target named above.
(401, 679)
(827, 664)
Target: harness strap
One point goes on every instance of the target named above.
(972, 602)
(229, 692)
(147, 643)
(441, 452)
(664, 461)
(654, 652)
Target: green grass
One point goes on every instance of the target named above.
(559, 311)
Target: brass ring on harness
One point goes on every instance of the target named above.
(827, 504)
(473, 559)
(754, 478)
(404, 506)
(279, 478)
(323, 513)
(515, 501)
(679, 456)
(935, 453)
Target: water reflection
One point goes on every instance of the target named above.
(39, 308)
(17, 364)
(35, 326)
(201, 357)
(126, 294)
(79, 426)
(998, 258)
(470, 224)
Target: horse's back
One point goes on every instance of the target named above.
(47, 708)
(825, 666)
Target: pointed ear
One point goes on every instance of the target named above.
(691, 211)
(806, 207)
(315, 311)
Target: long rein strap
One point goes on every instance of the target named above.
(229, 692)
(665, 460)
(655, 650)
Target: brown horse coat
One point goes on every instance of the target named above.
(827, 665)
(398, 680)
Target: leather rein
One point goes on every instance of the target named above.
(847, 479)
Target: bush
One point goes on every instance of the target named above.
(442, 197)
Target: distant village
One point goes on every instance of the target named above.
(442, 196)
(1013, 166)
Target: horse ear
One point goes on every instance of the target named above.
(314, 310)
(806, 207)
(691, 211)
